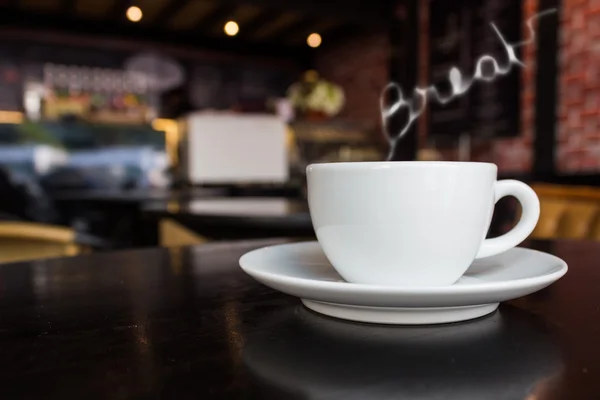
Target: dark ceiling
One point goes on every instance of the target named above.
(267, 27)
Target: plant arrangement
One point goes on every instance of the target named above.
(314, 97)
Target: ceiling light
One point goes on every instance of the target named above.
(231, 28)
(134, 14)
(314, 40)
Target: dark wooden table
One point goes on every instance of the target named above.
(187, 323)
(230, 218)
(131, 196)
(116, 214)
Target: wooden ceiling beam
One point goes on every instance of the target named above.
(67, 6)
(118, 9)
(361, 12)
(235, 46)
(218, 16)
(169, 10)
(302, 27)
(250, 28)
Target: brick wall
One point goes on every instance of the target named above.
(579, 87)
(361, 67)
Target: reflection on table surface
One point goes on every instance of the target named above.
(506, 355)
(188, 323)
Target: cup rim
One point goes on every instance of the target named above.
(399, 164)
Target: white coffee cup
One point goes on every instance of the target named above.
(411, 223)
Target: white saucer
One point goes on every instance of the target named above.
(302, 270)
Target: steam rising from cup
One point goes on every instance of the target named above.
(458, 82)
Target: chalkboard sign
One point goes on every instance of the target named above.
(206, 86)
(223, 86)
(460, 33)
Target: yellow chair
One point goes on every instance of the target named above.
(22, 241)
(551, 212)
(571, 212)
(173, 234)
(595, 231)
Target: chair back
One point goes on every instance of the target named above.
(571, 212)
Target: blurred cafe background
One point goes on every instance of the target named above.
(135, 123)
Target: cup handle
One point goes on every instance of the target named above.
(529, 217)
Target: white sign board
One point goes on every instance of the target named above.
(236, 148)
